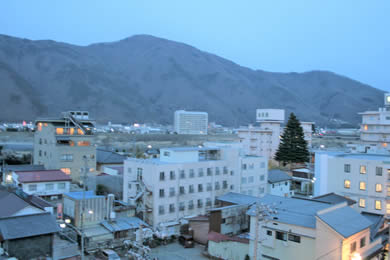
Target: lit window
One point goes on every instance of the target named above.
(66, 170)
(362, 185)
(79, 131)
(39, 127)
(71, 131)
(347, 184)
(363, 169)
(83, 143)
(388, 208)
(365, 127)
(362, 203)
(378, 187)
(378, 204)
(59, 131)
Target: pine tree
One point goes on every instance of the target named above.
(293, 146)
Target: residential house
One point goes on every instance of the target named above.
(279, 183)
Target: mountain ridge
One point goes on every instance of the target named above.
(144, 78)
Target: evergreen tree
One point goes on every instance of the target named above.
(293, 146)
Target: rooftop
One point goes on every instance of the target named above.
(24, 167)
(333, 198)
(78, 195)
(359, 156)
(277, 175)
(190, 149)
(123, 224)
(345, 221)
(10, 203)
(104, 156)
(42, 176)
(217, 237)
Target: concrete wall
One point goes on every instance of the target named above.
(228, 250)
(32, 247)
(328, 242)
(43, 191)
(280, 189)
(201, 230)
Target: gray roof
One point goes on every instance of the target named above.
(103, 156)
(299, 212)
(238, 198)
(78, 195)
(10, 203)
(123, 224)
(190, 148)
(345, 221)
(24, 167)
(28, 226)
(277, 175)
(333, 198)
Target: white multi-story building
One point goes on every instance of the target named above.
(185, 181)
(190, 122)
(375, 127)
(263, 140)
(361, 177)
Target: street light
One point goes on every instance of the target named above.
(149, 146)
(90, 212)
(67, 221)
(356, 256)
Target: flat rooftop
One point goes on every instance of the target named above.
(190, 149)
(358, 156)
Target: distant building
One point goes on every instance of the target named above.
(263, 140)
(361, 177)
(108, 158)
(190, 123)
(185, 181)
(66, 143)
(279, 183)
(375, 127)
(47, 183)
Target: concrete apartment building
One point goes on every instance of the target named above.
(375, 127)
(361, 177)
(66, 143)
(185, 181)
(190, 122)
(263, 140)
(292, 228)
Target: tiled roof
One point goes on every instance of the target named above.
(28, 226)
(103, 156)
(345, 221)
(277, 175)
(42, 176)
(10, 203)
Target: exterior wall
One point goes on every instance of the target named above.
(308, 131)
(328, 242)
(280, 189)
(253, 175)
(186, 122)
(375, 127)
(48, 153)
(228, 250)
(29, 210)
(43, 190)
(32, 247)
(330, 177)
(272, 247)
(270, 114)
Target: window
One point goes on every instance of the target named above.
(171, 192)
(281, 235)
(166, 153)
(251, 166)
(363, 169)
(251, 179)
(217, 186)
(129, 186)
(224, 185)
(269, 233)
(362, 203)
(209, 172)
(128, 170)
(200, 188)
(191, 189)
(362, 242)
(160, 210)
(378, 187)
(59, 131)
(172, 175)
(347, 184)
(171, 208)
(353, 247)
(192, 173)
(362, 185)
(378, 204)
(294, 238)
(190, 204)
(181, 206)
(67, 157)
(40, 153)
(261, 190)
(162, 176)
(347, 168)
(243, 180)
(388, 208)
(225, 170)
(208, 202)
(209, 187)
(244, 166)
(49, 186)
(181, 190)
(161, 193)
(83, 143)
(61, 186)
(262, 177)
(262, 165)
(40, 140)
(379, 171)
(66, 170)
(182, 174)
(200, 203)
(32, 187)
(217, 172)
(200, 172)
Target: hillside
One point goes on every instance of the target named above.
(145, 79)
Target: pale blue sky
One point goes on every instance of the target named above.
(349, 37)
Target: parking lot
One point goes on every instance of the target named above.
(175, 251)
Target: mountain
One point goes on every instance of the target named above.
(145, 79)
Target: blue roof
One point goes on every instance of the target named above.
(360, 156)
(78, 195)
(123, 224)
(190, 148)
(345, 221)
(277, 175)
(238, 198)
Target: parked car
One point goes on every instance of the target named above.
(186, 240)
(109, 254)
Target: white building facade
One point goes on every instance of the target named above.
(361, 177)
(190, 122)
(185, 181)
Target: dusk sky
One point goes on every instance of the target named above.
(348, 37)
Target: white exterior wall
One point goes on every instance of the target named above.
(280, 189)
(228, 250)
(270, 115)
(253, 176)
(186, 122)
(44, 190)
(330, 177)
(375, 128)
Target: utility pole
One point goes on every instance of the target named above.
(83, 206)
(261, 211)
